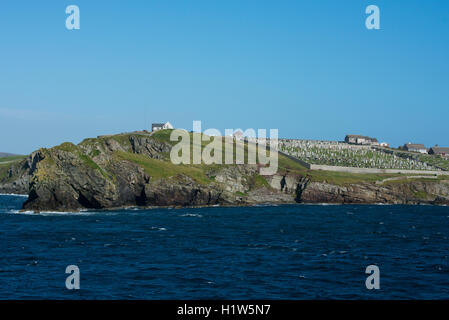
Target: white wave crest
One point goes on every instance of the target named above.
(191, 215)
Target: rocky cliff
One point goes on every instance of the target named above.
(15, 177)
(134, 170)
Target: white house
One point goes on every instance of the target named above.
(161, 126)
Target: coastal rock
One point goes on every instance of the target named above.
(408, 192)
(16, 178)
(269, 196)
(234, 178)
(149, 147)
(61, 180)
(184, 191)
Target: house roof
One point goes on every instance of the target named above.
(158, 125)
(438, 150)
(360, 136)
(415, 146)
(354, 136)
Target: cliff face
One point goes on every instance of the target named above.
(134, 170)
(413, 192)
(397, 192)
(15, 178)
(108, 173)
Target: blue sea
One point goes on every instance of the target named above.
(264, 252)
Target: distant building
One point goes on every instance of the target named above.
(238, 135)
(442, 151)
(358, 139)
(415, 147)
(384, 144)
(161, 126)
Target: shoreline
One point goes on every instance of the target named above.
(135, 208)
(13, 194)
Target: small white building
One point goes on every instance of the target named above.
(161, 126)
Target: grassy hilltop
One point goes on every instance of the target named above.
(164, 168)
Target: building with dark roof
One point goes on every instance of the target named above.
(359, 139)
(442, 151)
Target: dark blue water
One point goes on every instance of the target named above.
(288, 252)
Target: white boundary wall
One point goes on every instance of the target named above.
(373, 170)
(361, 170)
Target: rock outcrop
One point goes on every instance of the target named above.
(16, 178)
(408, 192)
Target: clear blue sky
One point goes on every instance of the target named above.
(309, 68)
